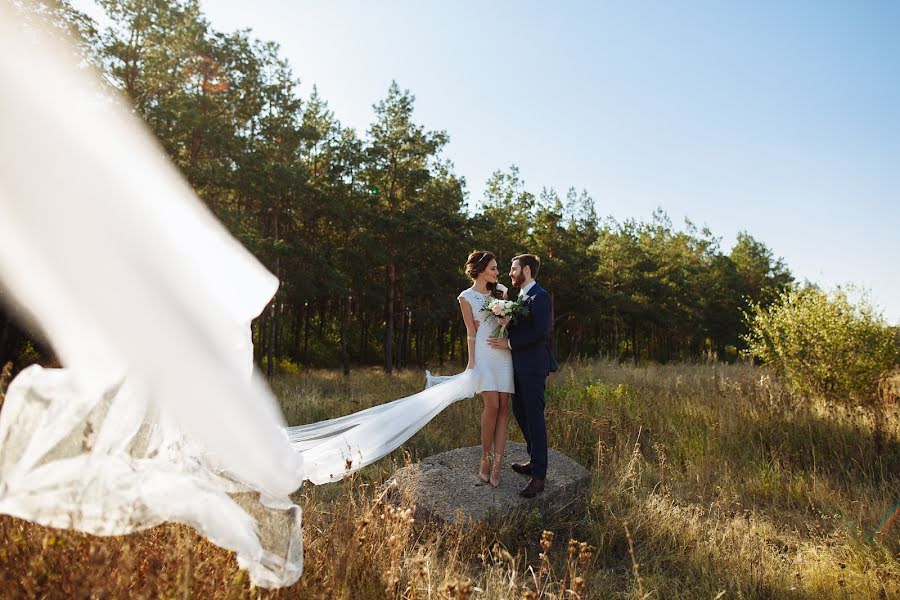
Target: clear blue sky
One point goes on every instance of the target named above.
(779, 118)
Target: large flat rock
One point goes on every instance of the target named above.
(445, 487)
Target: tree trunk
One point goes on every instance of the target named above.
(256, 337)
(345, 354)
(389, 319)
(307, 331)
(263, 335)
(576, 339)
(279, 320)
(404, 353)
(452, 334)
(399, 343)
(616, 333)
(270, 352)
(420, 352)
(295, 334)
(364, 339)
(634, 346)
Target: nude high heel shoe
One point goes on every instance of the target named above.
(495, 470)
(484, 471)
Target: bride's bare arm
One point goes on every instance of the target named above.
(471, 328)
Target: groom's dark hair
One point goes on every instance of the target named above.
(529, 260)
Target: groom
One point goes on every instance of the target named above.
(529, 340)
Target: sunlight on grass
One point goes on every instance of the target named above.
(727, 489)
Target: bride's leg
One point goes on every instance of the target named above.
(488, 424)
(500, 428)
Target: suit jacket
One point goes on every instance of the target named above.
(529, 337)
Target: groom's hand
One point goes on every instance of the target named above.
(501, 343)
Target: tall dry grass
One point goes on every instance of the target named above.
(709, 481)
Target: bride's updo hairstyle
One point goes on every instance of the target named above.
(477, 262)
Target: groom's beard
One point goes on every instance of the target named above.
(518, 281)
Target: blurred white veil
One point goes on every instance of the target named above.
(147, 301)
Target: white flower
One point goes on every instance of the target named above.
(502, 288)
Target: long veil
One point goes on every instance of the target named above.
(146, 299)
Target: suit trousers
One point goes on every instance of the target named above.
(528, 408)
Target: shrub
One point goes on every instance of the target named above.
(823, 345)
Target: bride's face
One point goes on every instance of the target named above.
(491, 274)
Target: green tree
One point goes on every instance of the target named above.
(506, 219)
(762, 276)
(399, 156)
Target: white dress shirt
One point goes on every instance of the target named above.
(525, 289)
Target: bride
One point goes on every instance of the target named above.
(493, 367)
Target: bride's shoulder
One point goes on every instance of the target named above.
(466, 293)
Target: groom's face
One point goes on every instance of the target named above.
(516, 275)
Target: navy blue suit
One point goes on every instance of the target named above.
(533, 361)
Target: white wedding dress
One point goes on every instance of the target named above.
(493, 367)
(146, 299)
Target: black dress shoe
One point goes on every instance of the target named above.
(534, 487)
(522, 468)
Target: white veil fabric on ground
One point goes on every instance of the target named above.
(332, 448)
(146, 300)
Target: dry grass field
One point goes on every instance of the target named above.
(709, 481)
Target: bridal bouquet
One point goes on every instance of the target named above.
(513, 309)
